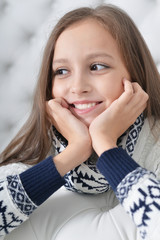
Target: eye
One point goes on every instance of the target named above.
(61, 71)
(98, 67)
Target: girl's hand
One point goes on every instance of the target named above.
(118, 117)
(79, 142)
(65, 122)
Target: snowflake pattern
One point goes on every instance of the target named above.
(130, 180)
(8, 220)
(19, 196)
(12, 215)
(86, 178)
(142, 202)
(133, 134)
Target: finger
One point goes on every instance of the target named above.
(54, 105)
(53, 110)
(138, 90)
(128, 85)
(140, 96)
(136, 87)
(62, 102)
(48, 106)
(127, 94)
(57, 112)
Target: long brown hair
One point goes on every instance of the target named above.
(32, 142)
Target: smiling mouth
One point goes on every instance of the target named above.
(85, 105)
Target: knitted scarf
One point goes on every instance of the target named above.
(86, 178)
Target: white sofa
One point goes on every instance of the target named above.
(72, 216)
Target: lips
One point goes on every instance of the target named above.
(84, 106)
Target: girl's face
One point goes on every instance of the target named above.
(88, 69)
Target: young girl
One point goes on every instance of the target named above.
(97, 107)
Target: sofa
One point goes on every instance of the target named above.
(73, 216)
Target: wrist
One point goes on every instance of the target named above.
(101, 149)
(82, 141)
(71, 157)
(103, 144)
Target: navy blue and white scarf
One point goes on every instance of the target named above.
(86, 178)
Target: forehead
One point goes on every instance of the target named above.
(85, 28)
(85, 36)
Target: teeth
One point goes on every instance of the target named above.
(84, 106)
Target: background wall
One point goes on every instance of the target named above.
(24, 28)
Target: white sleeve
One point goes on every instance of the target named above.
(15, 205)
(139, 194)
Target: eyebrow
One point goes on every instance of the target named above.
(60, 60)
(101, 54)
(89, 56)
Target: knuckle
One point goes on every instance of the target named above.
(130, 92)
(135, 84)
(50, 102)
(146, 96)
(50, 107)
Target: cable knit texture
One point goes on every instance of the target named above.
(115, 161)
(42, 180)
(20, 194)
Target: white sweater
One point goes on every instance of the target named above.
(146, 154)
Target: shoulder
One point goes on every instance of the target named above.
(147, 149)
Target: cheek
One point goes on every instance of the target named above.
(57, 90)
(112, 90)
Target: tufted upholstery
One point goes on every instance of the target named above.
(24, 28)
(73, 216)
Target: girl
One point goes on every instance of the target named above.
(97, 101)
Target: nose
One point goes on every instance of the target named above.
(80, 84)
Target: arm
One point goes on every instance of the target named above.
(114, 163)
(79, 146)
(137, 189)
(20, 194)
